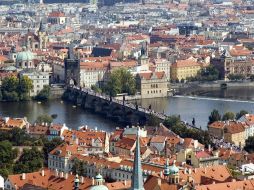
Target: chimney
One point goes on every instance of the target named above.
(92, 181)
(66, 176)
(95, 129)
(42, 173)
(209, 148)
(159, 181)
(61, 174)
(233, 180)
(23, 176)
(81, 179)
(161, 174)
(125, 183)
(56, 173)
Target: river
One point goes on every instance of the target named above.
(198, 107)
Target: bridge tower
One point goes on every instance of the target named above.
(72, 68)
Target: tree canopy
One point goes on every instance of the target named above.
(240, 114)
(43, 94)
(215, 116)
(249, 145)
(15, 89)
(228, 116)
(120, 81)
(31, 160)
(174, 123)
(44, 119)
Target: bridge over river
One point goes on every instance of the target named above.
(112, 108)
(117, 110)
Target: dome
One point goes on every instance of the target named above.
(25, 55)
(99, 176)
(173, 169)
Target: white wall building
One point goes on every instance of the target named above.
(40, 79)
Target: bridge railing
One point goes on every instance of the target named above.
(89, 91)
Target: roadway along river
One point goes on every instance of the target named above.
(188, 107)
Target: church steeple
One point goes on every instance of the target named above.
(166, 169)
(137, 177)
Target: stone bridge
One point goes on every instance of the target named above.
(117, 110)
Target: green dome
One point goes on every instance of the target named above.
(173, 169)
(99, 187)
(25, 56)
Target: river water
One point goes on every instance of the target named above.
(198, 107)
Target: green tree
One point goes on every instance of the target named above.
(209, 73)
(215, 116)
(172, 120)
(24, 87)
(240, 114)
(31, 160)
(7, 155)
(249, 145)
(9, 88)
(96, 89)
(228, 116)
(10, 84)
(43, 94)
(49, 146)
(44, 119)
(120, 81)
(78, 167)
(235, 77)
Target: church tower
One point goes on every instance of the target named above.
(43, 37)
(137, 175)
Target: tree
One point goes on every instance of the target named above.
(120, 81)
(44, 119)
(235, 77)
(31, 160)
(172, 120)
(215, 116)
(49, 146)
(10, 84)
(24, 87)
(14, 89)
(209, 73)
(249, 145)
(240, 114)
(78, 167)
(43, 94)
(7, 155)
(96, 89)
(228, 116)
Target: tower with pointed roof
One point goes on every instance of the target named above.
(166, 169)
(137, 176)
(42, 35)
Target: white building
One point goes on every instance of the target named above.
(249, 120)
(40, 79)
(92, 74)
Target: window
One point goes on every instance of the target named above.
(147, 92)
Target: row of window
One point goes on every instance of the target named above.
(154, 91)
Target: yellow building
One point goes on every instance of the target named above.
(183, 69)
(234, 132)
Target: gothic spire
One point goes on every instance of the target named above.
(137, 177)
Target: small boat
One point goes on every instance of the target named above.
(38, 102)
(74, 106)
